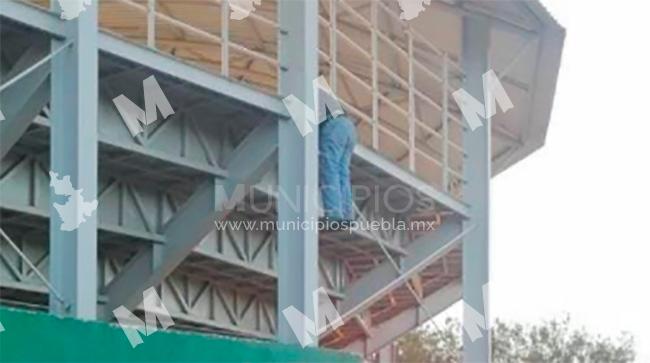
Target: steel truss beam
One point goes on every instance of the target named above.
(255, 156)
(126, 144)
(130, 211)
(191, 299)
(423, 251)
(389, 331)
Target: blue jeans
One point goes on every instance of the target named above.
(337, 137)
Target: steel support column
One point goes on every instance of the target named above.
(476, 194)
(73, 152)
(298, 168)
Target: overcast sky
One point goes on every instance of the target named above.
(570, 222)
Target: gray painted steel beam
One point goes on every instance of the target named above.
(382, 279)
(23, 100)
(253, 158)
(73, 153)
(171, 66)
(389, 331)
(128, 145)
(33, 16)
(408, 178)
(476, 193)
(298, 168)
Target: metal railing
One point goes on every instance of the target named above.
(448, 154)
(430, 142)
(223, 38)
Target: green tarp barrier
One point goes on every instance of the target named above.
(39, 337)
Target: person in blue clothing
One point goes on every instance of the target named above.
(337, 138)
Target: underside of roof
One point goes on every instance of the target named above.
(526, 48)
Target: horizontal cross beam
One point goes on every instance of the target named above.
(382, 279)
(392, 329)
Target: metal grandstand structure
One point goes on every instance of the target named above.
(159, 193)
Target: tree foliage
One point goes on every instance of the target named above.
(551, 341)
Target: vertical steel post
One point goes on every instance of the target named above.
(476, 44)
(225, 38)
(375, 77)
(73, 153)
(411, 95)
(151, 24)
(333, 46)
(445, 122)
(298, 168)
